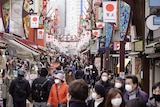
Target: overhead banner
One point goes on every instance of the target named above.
(125, 11)
(109, 33)
(34, 21)
(40, 33)
(110, 11)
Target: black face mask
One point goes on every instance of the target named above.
(157, 97)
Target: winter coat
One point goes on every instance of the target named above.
(107, 85)
(77, 103)
(92, 101)
(21, 93)
(45, 89)
(151, 102)
(62, 94)
(139, 93)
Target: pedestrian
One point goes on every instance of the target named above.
(78, 93)
(119, 83)
(104, 80)
(98, 96)
(20, 89)
(132, 89)
(114, 98)
(58, 92)
(40, 89)
(154, 101)
(69, 76)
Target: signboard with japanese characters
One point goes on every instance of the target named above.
(40, 33)
(34, 21)
(110, 11)
(49, 38)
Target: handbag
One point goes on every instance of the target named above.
(59, 103)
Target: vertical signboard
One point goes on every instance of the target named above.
(109, 32)
(125, 10)
(110, 11)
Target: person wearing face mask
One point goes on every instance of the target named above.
(154, 101)
(132, 89)
(58, 93)
(119, 83)
(104, 80)
(98, 96)
(114, 98)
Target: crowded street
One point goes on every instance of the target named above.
(79, 53)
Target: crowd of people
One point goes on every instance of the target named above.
(76, 85)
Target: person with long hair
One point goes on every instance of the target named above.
(114, 98)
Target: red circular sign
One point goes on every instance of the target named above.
(95, 33)
(87, 33)
(34, 19)
(40, 32)
(100, 25)
(109, 7)
(49, 36)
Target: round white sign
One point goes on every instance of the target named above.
(149, 23)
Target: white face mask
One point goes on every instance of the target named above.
(118, 85)
(104, 78)
(128, 87)
(94, 95)
(116, 101)
(57, 81)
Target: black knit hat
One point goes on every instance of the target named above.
(99, 89)
(43, 72)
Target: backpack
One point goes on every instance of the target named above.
(20, 91)
(39, 90)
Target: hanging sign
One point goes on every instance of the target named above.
(40, 33)
(109, 32)
(125, 11)
(34, 21)
(96, 33)
(110, 11)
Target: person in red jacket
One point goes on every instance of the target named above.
(58, 92)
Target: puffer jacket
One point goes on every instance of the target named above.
(151, 102)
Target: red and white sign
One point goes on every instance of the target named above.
(117, 46)
(110, 11)
(49, 38)
(34, 21)
(87, 33)
(40, 33)
(100, 25)
(96, 33)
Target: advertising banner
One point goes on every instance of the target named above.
(40, 33)
(110, 11)
(109, 33)
(34, 21)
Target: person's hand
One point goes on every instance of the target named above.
(48, 104)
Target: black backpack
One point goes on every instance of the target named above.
(39, 91)
(20, 91)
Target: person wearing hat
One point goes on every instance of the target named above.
(20, 89)
(98, 96)
(58, 92)
(41, 88)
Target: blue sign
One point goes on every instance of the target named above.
(102, 46)
(125, 10)
(156, 20)
(109, 31)
(154, 3)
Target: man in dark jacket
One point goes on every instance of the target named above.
(19, 89)
(132, 89)
(104, 80)
(40, 89)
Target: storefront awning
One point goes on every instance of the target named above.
(24, 46)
